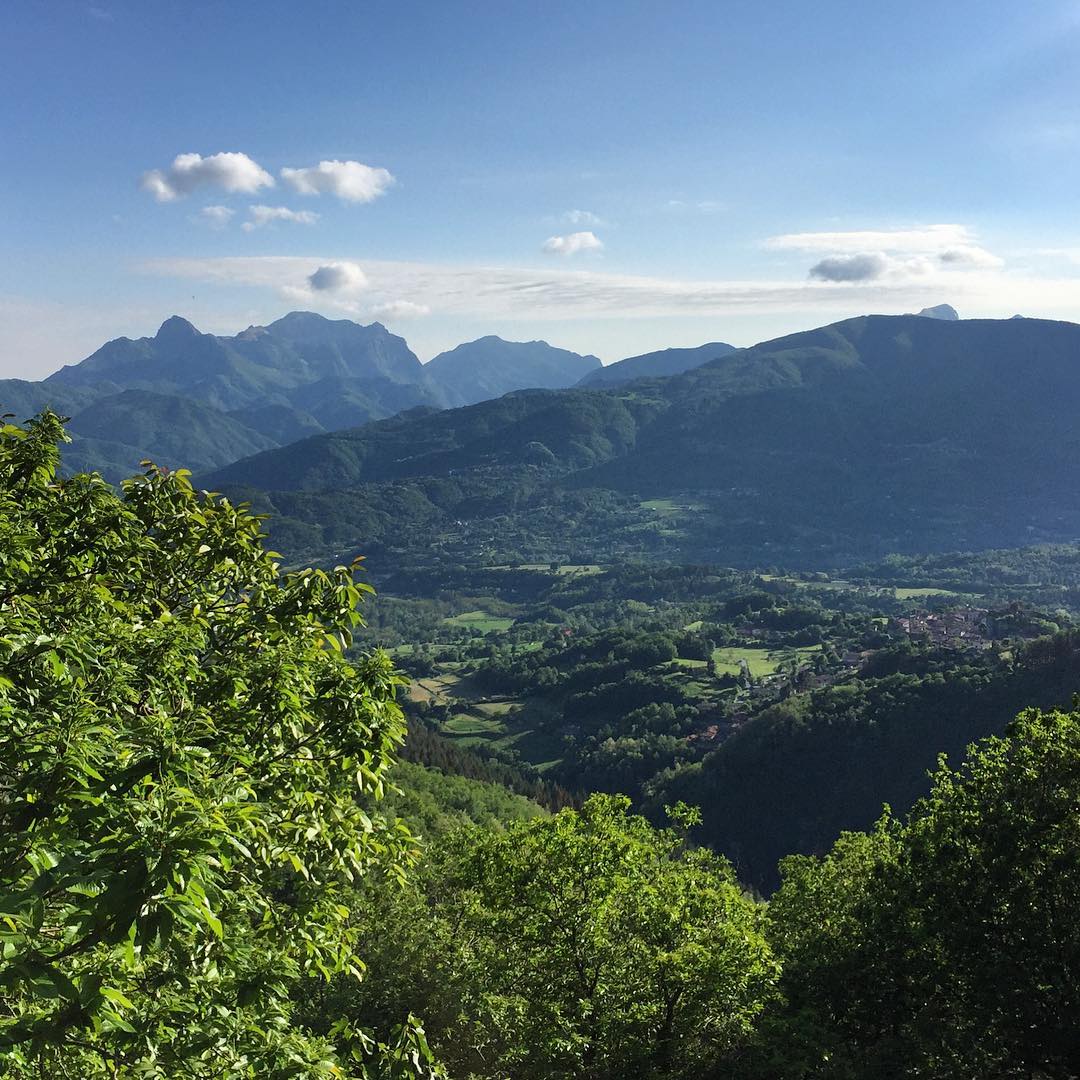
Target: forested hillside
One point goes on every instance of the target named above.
(186, 398)
(788, 707)
(873, 436)
(800, 773)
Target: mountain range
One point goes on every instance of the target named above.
(874, 434)
(664, 362)
(490, 367)
(871, 435)
(202, 400)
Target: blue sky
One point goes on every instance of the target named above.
(613, 177)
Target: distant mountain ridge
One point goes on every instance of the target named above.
(660, 363)
(875, 434)
(490, 367)
(261, 365)
(940, 311)
(183, 397)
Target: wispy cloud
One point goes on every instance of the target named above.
(262, 216)
(582, 217)
(969, 255)
(232, 172)
(344, 286)
(521, 293)
(217, 217)
(350, 181)
(573, 243)
(699, 206)
(399, 309)
(922, 239)
(856, 272)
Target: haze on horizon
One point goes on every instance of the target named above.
(612, 179)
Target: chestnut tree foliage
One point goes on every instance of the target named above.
(184, 758)
(584, 946)
(945, 947)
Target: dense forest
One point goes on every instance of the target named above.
(222, 856)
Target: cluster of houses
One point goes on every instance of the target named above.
(957, 628)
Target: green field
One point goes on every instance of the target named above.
(468, 724)
(563, 570)
(667, 507)
(760, 661)
(919, 594)
(482, 726)
(493, 708)
(899, 593)
(483, 621)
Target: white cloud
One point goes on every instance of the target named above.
(572, 243)
(582, 217)
(216, 217)
(910, 269)
(350, 181)
(338, 277)
(969, 256)
(872, 254)
(230, 172)
(929, 238)
(399, 309)
(265, 215)
(337, 285)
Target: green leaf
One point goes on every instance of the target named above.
(110, 993)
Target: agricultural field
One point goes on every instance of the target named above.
(922, 594)
(480, 620)
(436, 689)
(670, 507)
(763, 661)
(560, 569)
(501, 727)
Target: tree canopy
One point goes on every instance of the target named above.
(184, 758)
(587, 944)
(948, 945)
